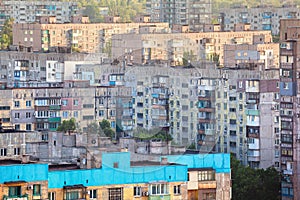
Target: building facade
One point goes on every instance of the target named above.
(178, 48)
(289, 117)
(195, 14)
(118, 178)
(79, 36)
(259, 18)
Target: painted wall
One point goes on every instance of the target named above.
(219, 162)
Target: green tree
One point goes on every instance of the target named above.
(248, 183)
(104, 124)
(94, 128)
(92, 11)
(188, 57)
(107, 130)
(155, 133)
(6, 36)
(67, 125)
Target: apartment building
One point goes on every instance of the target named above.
(195, 14)
(44, 108)
(165, 98)
(289, 111)
(248, 56)
(31, 11)
(78, 36)
(118, 178)
(173, 48)
(259, 18)
(217, 110)
(24, 69)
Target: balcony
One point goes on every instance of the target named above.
(252, 112)
(21, 197)
(210, 131)
(206, 120)
(140, 120)
(54, 107)
(251, 100)
(286, 65)
(159, 197)
(201, 131)
(288, 172)
(206, 110)
(253, 158)
(55, 119)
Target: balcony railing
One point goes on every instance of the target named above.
(19, 197)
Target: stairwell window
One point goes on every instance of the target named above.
(37, 190)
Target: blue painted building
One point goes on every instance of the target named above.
(117, 178)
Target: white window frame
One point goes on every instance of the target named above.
(160, 189)
(137, 191)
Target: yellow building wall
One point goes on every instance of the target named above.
(128, 191)
(25, 189)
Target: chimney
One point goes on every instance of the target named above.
(1, 128)
(164, 161)
(25, 158)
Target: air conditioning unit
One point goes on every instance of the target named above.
(145, 194)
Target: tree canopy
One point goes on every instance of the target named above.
(6, 36)
(127, 10)
(155, 133)
(249, 183)
(107, 130)
(67, 125)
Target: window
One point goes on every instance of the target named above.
(17, 115)
(115, 193)
(3, 152)
(113, 124)
(240, 106)
(75, 102)
(159, 189)
(176, 189)
(4, 108)
(51, 195)
(17, 126)
(28, 115)
(65, 114)
(241, 96)
(101, 113)
(14, 191)
(72, 195)
(286, 86)
(17, 151)
(64, 102)
(209, 195)
(36, 190)
(207, 175)
(28, 103)
(93, 194)
(137, 191)
(28, 127)
(75, 114)
(17, 104)
(45, 136)
(240, 84)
